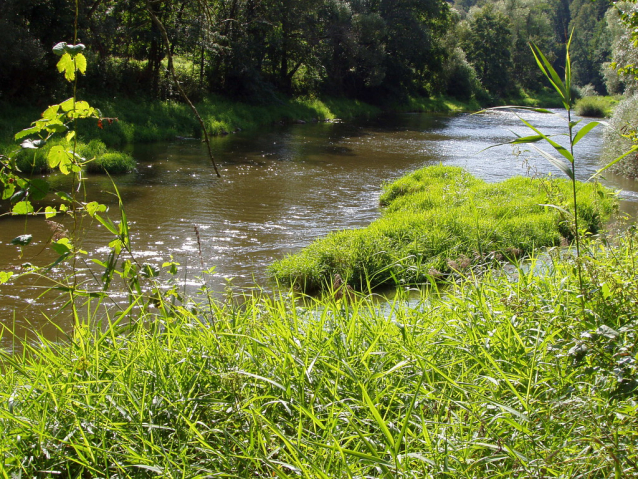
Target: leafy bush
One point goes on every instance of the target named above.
(94, 149)
(441, 219)
(616, 138)
(115, 163)
(594, 106)
(34, 161)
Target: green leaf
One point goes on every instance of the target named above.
(18, 196)
(22, 240)
(150, 270)
(561, 165)
(22, 208)
(559, 208)
(38, 189)
(65, 196)
(26, 132)
(108, 224)
(94, 207)
(552, 76)
(62, 247)
(8, 190)
(80, 62)
(66, 65)
(50, 212)
(389, 439)
(613, 162)
(5, 276)
(56, 155)
(67, 105)
(56, 127)
(584, 130)
(527, 139)
(51, 113)
(74, 49)
(561, 149)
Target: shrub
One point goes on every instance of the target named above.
(93, 149)
(115, 163)
(593, 106)
(622, 122)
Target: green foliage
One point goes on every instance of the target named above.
(621, 73)
(440, 220)
(489, 378)
(437, 104)
(591, 42)
(488, 49)
(595, 106)
(115, 163)
(620, 136)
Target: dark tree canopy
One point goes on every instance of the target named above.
(259, 49)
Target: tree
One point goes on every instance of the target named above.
(488, 46)
(590, 43)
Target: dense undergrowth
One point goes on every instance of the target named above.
(620, 136)
(595, 106)
(439, 220)
(502, 376)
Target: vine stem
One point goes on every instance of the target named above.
(171, 69)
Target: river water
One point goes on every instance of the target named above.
(281, 188)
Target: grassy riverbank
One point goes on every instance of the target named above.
(441, 220)
(498, 377)
(137, 122)
(147, 122)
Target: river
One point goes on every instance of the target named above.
(281, 188)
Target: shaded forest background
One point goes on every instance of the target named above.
(258, 50)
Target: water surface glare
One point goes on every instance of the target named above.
(282, 187)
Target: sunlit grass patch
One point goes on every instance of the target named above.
(442, 219)
(595, 106)
(115, 163)
(493, 378)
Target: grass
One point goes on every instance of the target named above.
(493, 378)
(546, 98)
(102, 159)
(440, 220)
(158, 121)
(440, 104)
(115, 163)
(595, 106)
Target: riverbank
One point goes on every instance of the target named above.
(136, 122)
(498, 377)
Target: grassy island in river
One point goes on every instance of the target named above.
(441, 219)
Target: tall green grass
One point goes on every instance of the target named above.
(493, 378)
(441, 220)
(595, 106)
(157, 121)
(147, 122)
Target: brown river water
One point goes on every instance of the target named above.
(281, 188)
